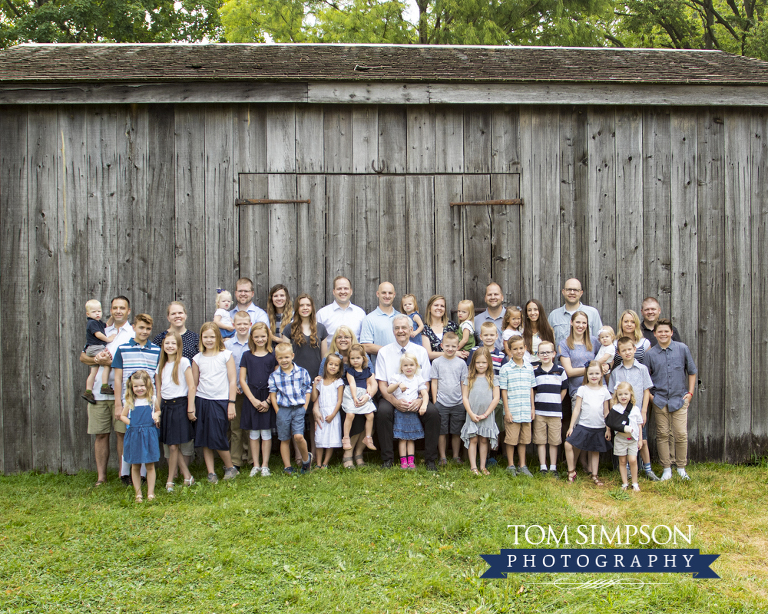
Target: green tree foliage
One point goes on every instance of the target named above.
(482, 22)
(729, 25)
(121, 21)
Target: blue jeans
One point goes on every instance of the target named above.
(290, 421)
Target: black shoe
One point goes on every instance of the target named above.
(431, 466)
(126, 480)
(386, 465)
(143, 479)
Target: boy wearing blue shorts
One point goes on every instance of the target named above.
(290, 390)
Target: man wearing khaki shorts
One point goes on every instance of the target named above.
(101, 415)
(551, 388)
(516, 381)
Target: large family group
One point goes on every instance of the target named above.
(338, 377)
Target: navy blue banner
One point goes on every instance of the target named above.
(600, 561)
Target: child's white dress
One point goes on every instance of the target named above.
(330, 435)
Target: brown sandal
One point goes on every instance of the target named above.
(368, 441)
(474, 470)
(484, 471)
(572, 476)
(596, 480)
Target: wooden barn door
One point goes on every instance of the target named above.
(400, 228)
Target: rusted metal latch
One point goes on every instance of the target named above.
(513, 201)
(269, 201)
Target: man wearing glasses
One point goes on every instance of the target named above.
(560, 318)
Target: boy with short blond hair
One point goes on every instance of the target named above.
(549, 392)
(290, 390)
(448, 372)
(238, 345)
(96, 340)
(516, 381)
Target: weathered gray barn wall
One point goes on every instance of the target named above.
(139, 200)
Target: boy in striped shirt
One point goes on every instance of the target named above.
(516, 381)
(551, 388)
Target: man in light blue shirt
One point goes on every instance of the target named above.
(560, 318)
(494, 312)
(244, 302)
(376, 331)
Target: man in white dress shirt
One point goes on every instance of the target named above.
(341, 311)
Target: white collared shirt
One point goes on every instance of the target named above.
(388, 361)
(332, 316)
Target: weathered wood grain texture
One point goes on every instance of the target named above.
(478, 127)
(449, 139)
(527, 213)
(543, 259)
(420, 139)
(505, 139)
(249, 138)
(44, 254)
(340, 226)
(366, 217)
(72, 179)
(601, 200)
(449, 244)
(365, 142)
(393, 238)
(190, 213)
(574, 179)
(281, 138)
(759, 240)
(220, 243)
(283, 248)
(656, 206)
(368, 93)
(476, 229)
(629, 210)
(419, 228)
(310, 237)
(393, 128)
(710, 402)
(506, 243)
(337, 138)
(15, 324)
(310, 143)
(161, 208)
(254, 235)
(738, 293)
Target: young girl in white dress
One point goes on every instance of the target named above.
(221, 317)
(327, 393)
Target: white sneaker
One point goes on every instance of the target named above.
(683, 475)
(635, 486)
(255, 471)
(265, 472)
(666, 474)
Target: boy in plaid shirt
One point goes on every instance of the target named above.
(290, 389)
(517, 381)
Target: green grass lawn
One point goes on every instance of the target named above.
(360, 541)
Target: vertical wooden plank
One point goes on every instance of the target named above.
(449, 139)
(190, 213)
(528, 135)
(506, 264)
(337, 138)
(505, 139)
(420, 226)
(629, 210)
(220, 244)
(392, 139)
(249, 137)
(283, 252)
(574, 173)
(476, 222)
(254, 235)
(311, 236)
(340, 239)
(759, 156)
(392, 236)
(420, 138)
(738, 293)
(281, 138)
(73, 255)
(710, 404)
(367, 219)
(601, 200)
(543, 208)
(365, 142)
(309, 139)
(15, 261)
(684, 253)
(477, 139)
(45, 407)
(449, 244)
(656, 211)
